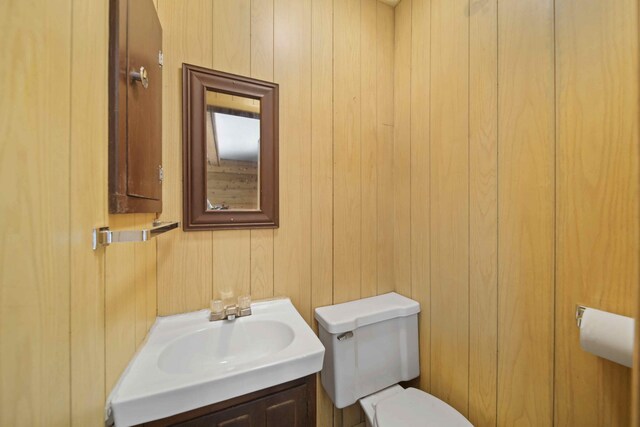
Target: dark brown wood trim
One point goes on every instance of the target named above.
(195, 82)
(308, 381)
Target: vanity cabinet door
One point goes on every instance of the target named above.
(288, 408)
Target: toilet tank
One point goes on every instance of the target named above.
(370, 344)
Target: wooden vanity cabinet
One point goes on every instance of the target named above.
(292, 404)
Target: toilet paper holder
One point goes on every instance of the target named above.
(579, 312)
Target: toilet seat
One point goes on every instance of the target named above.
(411, 407)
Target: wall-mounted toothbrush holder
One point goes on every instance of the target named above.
(104, 237)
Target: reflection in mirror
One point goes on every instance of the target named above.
(233, 152)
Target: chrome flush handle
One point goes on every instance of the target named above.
(140, 76)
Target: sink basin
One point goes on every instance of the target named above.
(225, 349)
(188, 362)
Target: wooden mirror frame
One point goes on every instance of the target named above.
(196, 81)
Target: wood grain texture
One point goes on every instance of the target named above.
(449, 181)
(231, 258)
(368, 149)
(185, 275)
(322, 174)
(231, 265)
(384, 136)
(635, 392)
(347, 190)
(88, 207)
(516, 313)
(34, 231)
(402, 150)
(420, 179)
(151, 263)
(483, 213)
(322, 154)
(120, 302)
(232, 36)
(597, 235)
(525, 212)
(140, 280)
(262, 68)
(292, 70)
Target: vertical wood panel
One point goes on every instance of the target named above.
(231, 261)
(322, 174)
(88, 207)
(420, 147)
(262, 40)
(120, 302)
(635, 392)
(232, 36)
(526, 212)
(140, 280)
(152, 279)
(322, 153)
(184, 259)
(347, 160)
(262, 68)
(483, 213)
(292, 70)
(402, 150)
(368, 148)
(597, 198)
(261, 264)
(384, 136)
(450, 202)
(34, 256)
(347, 156)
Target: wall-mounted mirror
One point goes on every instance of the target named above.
(230, 137)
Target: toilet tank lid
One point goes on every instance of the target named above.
(348, 316)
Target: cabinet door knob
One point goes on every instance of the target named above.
(140, 76)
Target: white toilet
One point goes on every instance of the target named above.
(371, 345)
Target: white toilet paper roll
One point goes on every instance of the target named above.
(607, 335)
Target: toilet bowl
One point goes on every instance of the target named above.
(371, 345)
(396, 406)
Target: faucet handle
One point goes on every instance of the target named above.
(217, 310)
(244, 305)
(244, 301)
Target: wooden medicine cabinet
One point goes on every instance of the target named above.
(135, 107)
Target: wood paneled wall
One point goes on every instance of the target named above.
(521, 117)
(70, 318)
(506, 193)
(334, 63)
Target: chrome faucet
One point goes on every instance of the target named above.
(221, 312)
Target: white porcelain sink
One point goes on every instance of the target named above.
(188, 362)
(225, 349)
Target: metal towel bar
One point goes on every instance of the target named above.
(104, 237)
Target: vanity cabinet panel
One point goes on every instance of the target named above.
(292, 404)
(288, 408)
(247, 415)
(135, 107)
